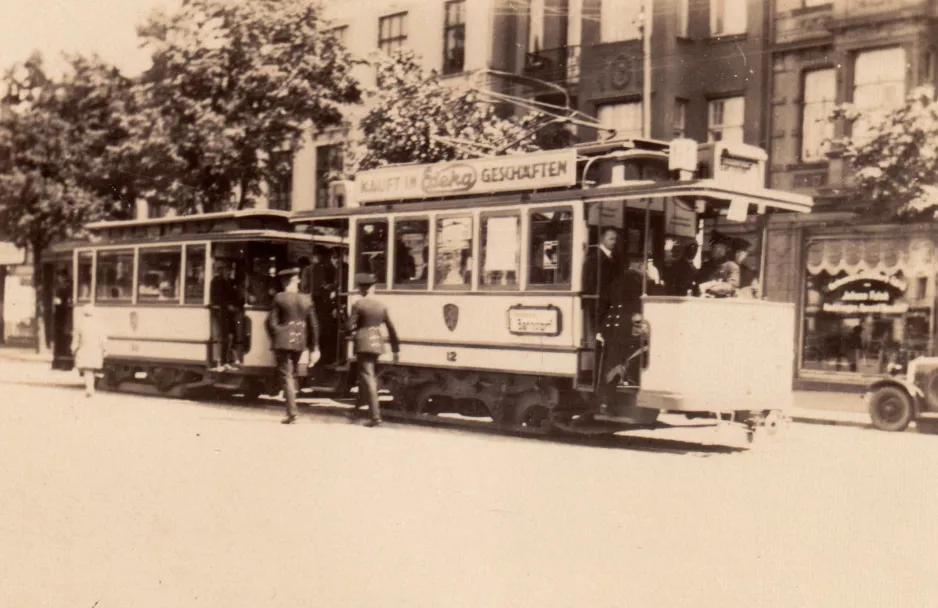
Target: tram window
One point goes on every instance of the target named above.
(454, 252)
(84, 276)
(115, 279)
(372, 249)
(195, 274)
(411, 253)
(551, 247)
(264, 260)
(501, 251)
(158, 275)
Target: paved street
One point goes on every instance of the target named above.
(129, 501)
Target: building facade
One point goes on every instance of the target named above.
(866, 294)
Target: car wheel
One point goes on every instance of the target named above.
(891, 409)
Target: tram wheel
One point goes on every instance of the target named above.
(891, 409)
(530, 412)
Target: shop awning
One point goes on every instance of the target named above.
(914, 256)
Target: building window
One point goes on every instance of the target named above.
(501, 251)
(341, 34)
(878, 85)
(727, 17)
(624, 118)
(453, 252)
(411, 253)
(536, 26)
(280, 188)
(551, 247)
(115, 278)
(454, 37)
(680, 118)
(328, 163)
(158, 275)
(683, 18)
(725, 119)
(392, 32)
(620, 20)
(820, 92)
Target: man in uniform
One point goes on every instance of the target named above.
(293, 328)
(601, 268)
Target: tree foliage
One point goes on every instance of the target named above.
(896, 160)
(231, 85)
(414, 116)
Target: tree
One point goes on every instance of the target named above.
(50, 132)
(232, 84)
(415, 117)
(896, 159)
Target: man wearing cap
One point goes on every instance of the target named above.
(293, 328)
(364, 323)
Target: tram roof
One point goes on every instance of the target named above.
(708, 189)
(270, 215)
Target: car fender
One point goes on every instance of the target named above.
(917, 395)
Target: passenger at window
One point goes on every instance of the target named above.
(748, 280)
(306, 275)
(681, 276)
(719, 277)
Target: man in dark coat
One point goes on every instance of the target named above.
(602, 266)
(293, 328)
(221, 296)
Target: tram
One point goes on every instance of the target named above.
(184, 299)
(485, 268)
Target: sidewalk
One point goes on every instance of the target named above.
(18, 353)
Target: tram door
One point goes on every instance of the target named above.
(59, 282)
(623, 258)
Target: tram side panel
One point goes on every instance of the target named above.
(718, 355)
(499, 332)
(166, 334)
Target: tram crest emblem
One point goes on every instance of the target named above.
(451, 316)
(134, 320)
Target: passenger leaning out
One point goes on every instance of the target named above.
(719, 277)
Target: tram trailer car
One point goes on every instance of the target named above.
(481, 264)
(151, 283)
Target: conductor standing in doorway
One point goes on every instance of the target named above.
(365, 320)
(293, 328)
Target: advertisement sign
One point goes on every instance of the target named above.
(551, 169)
(679, 219)
(866, 293)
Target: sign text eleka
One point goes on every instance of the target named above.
(551, 169)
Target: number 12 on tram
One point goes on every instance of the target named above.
(535, 290)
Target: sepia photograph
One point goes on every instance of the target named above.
(468, 303)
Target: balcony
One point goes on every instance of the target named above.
(558, 66)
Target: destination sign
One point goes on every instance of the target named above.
(534, 320)
(551, 169)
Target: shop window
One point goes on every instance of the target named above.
(158, 275)
(195, 274)
(551, 252)
(411, 253)
(820, 91)
(862, 308)
(372, 250)
(115, 279)
(85, 265)
(500, 251)
(453, 252)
